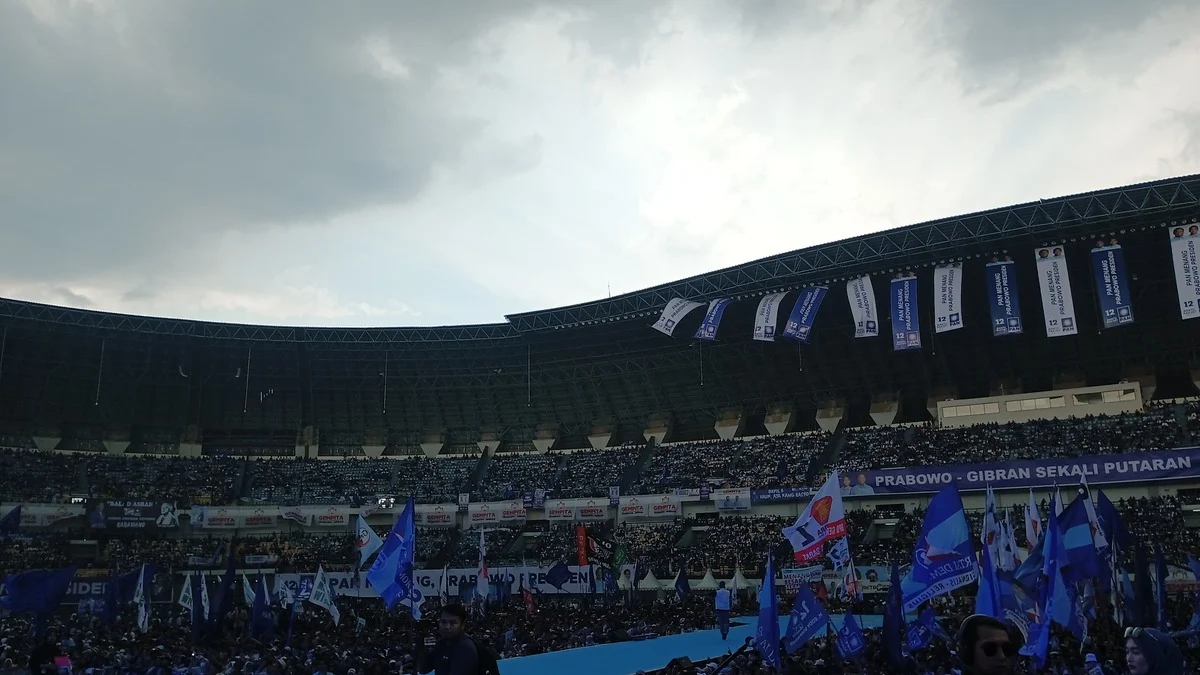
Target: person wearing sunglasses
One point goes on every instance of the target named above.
(1149, 651)
(985, 646)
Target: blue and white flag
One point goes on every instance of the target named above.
(861, 295)
(322, 595)
(767, 317)
(1004, 303)
(1185, 259)
(804, 313)
(850, 640)
(807, 620)
(893, 619)
(141, 599)
(673, 313)
(1054, 281)
(906, 320)
(712, 319)
(922, 631)
(366, 541)
(1082, 563)
(987, 598)
(944, 558)
(1112, 284)
(766, 637)
(392, 572)
(947, 298)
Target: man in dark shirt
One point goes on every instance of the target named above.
(455, 652)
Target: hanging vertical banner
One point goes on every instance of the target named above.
(1185, 258)
(947, 298)
(712, 319)
(1058, 306)
(675, 310)
(861, 294)
(1112, 284)
(906, 321)
(767, 317)
(804, 313)
(1003, 301)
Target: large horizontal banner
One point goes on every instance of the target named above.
(429, 581)
(576, 509)
(781, 495)
(483, 513)
(318, 516)
(1128, 467)
(435, 515)
(118, 514)
(650, 506)
(234, 517)
(731, 499)
(43, 515)
(89, 587)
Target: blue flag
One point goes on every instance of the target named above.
(766, 638)
(682, 588)
(392, 572)
(807, 620)
(944, 558)
(893, 619)
(1160, 587)
(37, 592)
(1083, 564)
(10, 522)
(987, 598)
(923, 630)
(558, 575)
(262, 620)
(850, 640)
(1114, 528)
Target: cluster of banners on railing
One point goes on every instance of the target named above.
(1003, 302)
(906, 319)
(1185, 258)
(1110, 277)
(871, 578)
(579, 580)
(43, 515)
(317, 516)
(483, 513)
(577, 509)
(435, 515)
(234, 517)
(731, 499)
(649, 506)
(120, 514)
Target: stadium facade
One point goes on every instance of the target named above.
(597, 373)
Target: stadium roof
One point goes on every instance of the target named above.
(599, 361)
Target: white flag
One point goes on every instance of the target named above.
(1097, 532)
(482, 582)
(322, 596)
(204, 606)
(1033, 523)
(139, 599)
(247, 591)
(185, 596)
(990, 533)
(823, 520)
(367, 542)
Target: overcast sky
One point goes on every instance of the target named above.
(421, 163)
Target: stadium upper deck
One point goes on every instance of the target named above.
(92, 375)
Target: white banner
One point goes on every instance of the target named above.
(318, 516)
(43, 515)
(435, 515)
(495, 512)
(1058, 305)
(633, 507)
(947, 298)
(1186, 261)
(234, 517)
(731, 499)
(675, 310)
(795, 577)
(767, 317)
(861, 294)
(576, 509)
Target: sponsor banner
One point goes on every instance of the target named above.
(1058, 304)
(947, 298)
(767, 317)
(675, 310)
(795, 577)
(804, 313)
(906, 319)
(318, 516)
(576, 509)
(712, 319)
(634, 507)
(1112, 284)
(779, 495)
(89, 587)
(1129, 467)
(559, 509)
(1003, 302)
(121, 514)
(664, 506)
(43, 515)
(495, 512)
(861, 294)
(732, 499)
(234, 517)
(1185, 258)
(435, 515)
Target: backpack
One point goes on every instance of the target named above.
(487, 661)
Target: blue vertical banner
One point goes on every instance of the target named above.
(712, 319)
(906, 322)
(1003, 301)
(804, 313)
(1112, 284)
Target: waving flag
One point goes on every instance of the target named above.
(944, 558)
(682, 587)
(989, 535)
(392, 572)
(366, 542)
(923, 630)
(823, 520)
(262, 618)
(1033, 524)
(766, 638)
(482, 578)
(142, 600)
(807, 620)
(11, 521)
(850, 640)
(1082, 563)
(987, 598)
(322, 595)
(893, 619)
